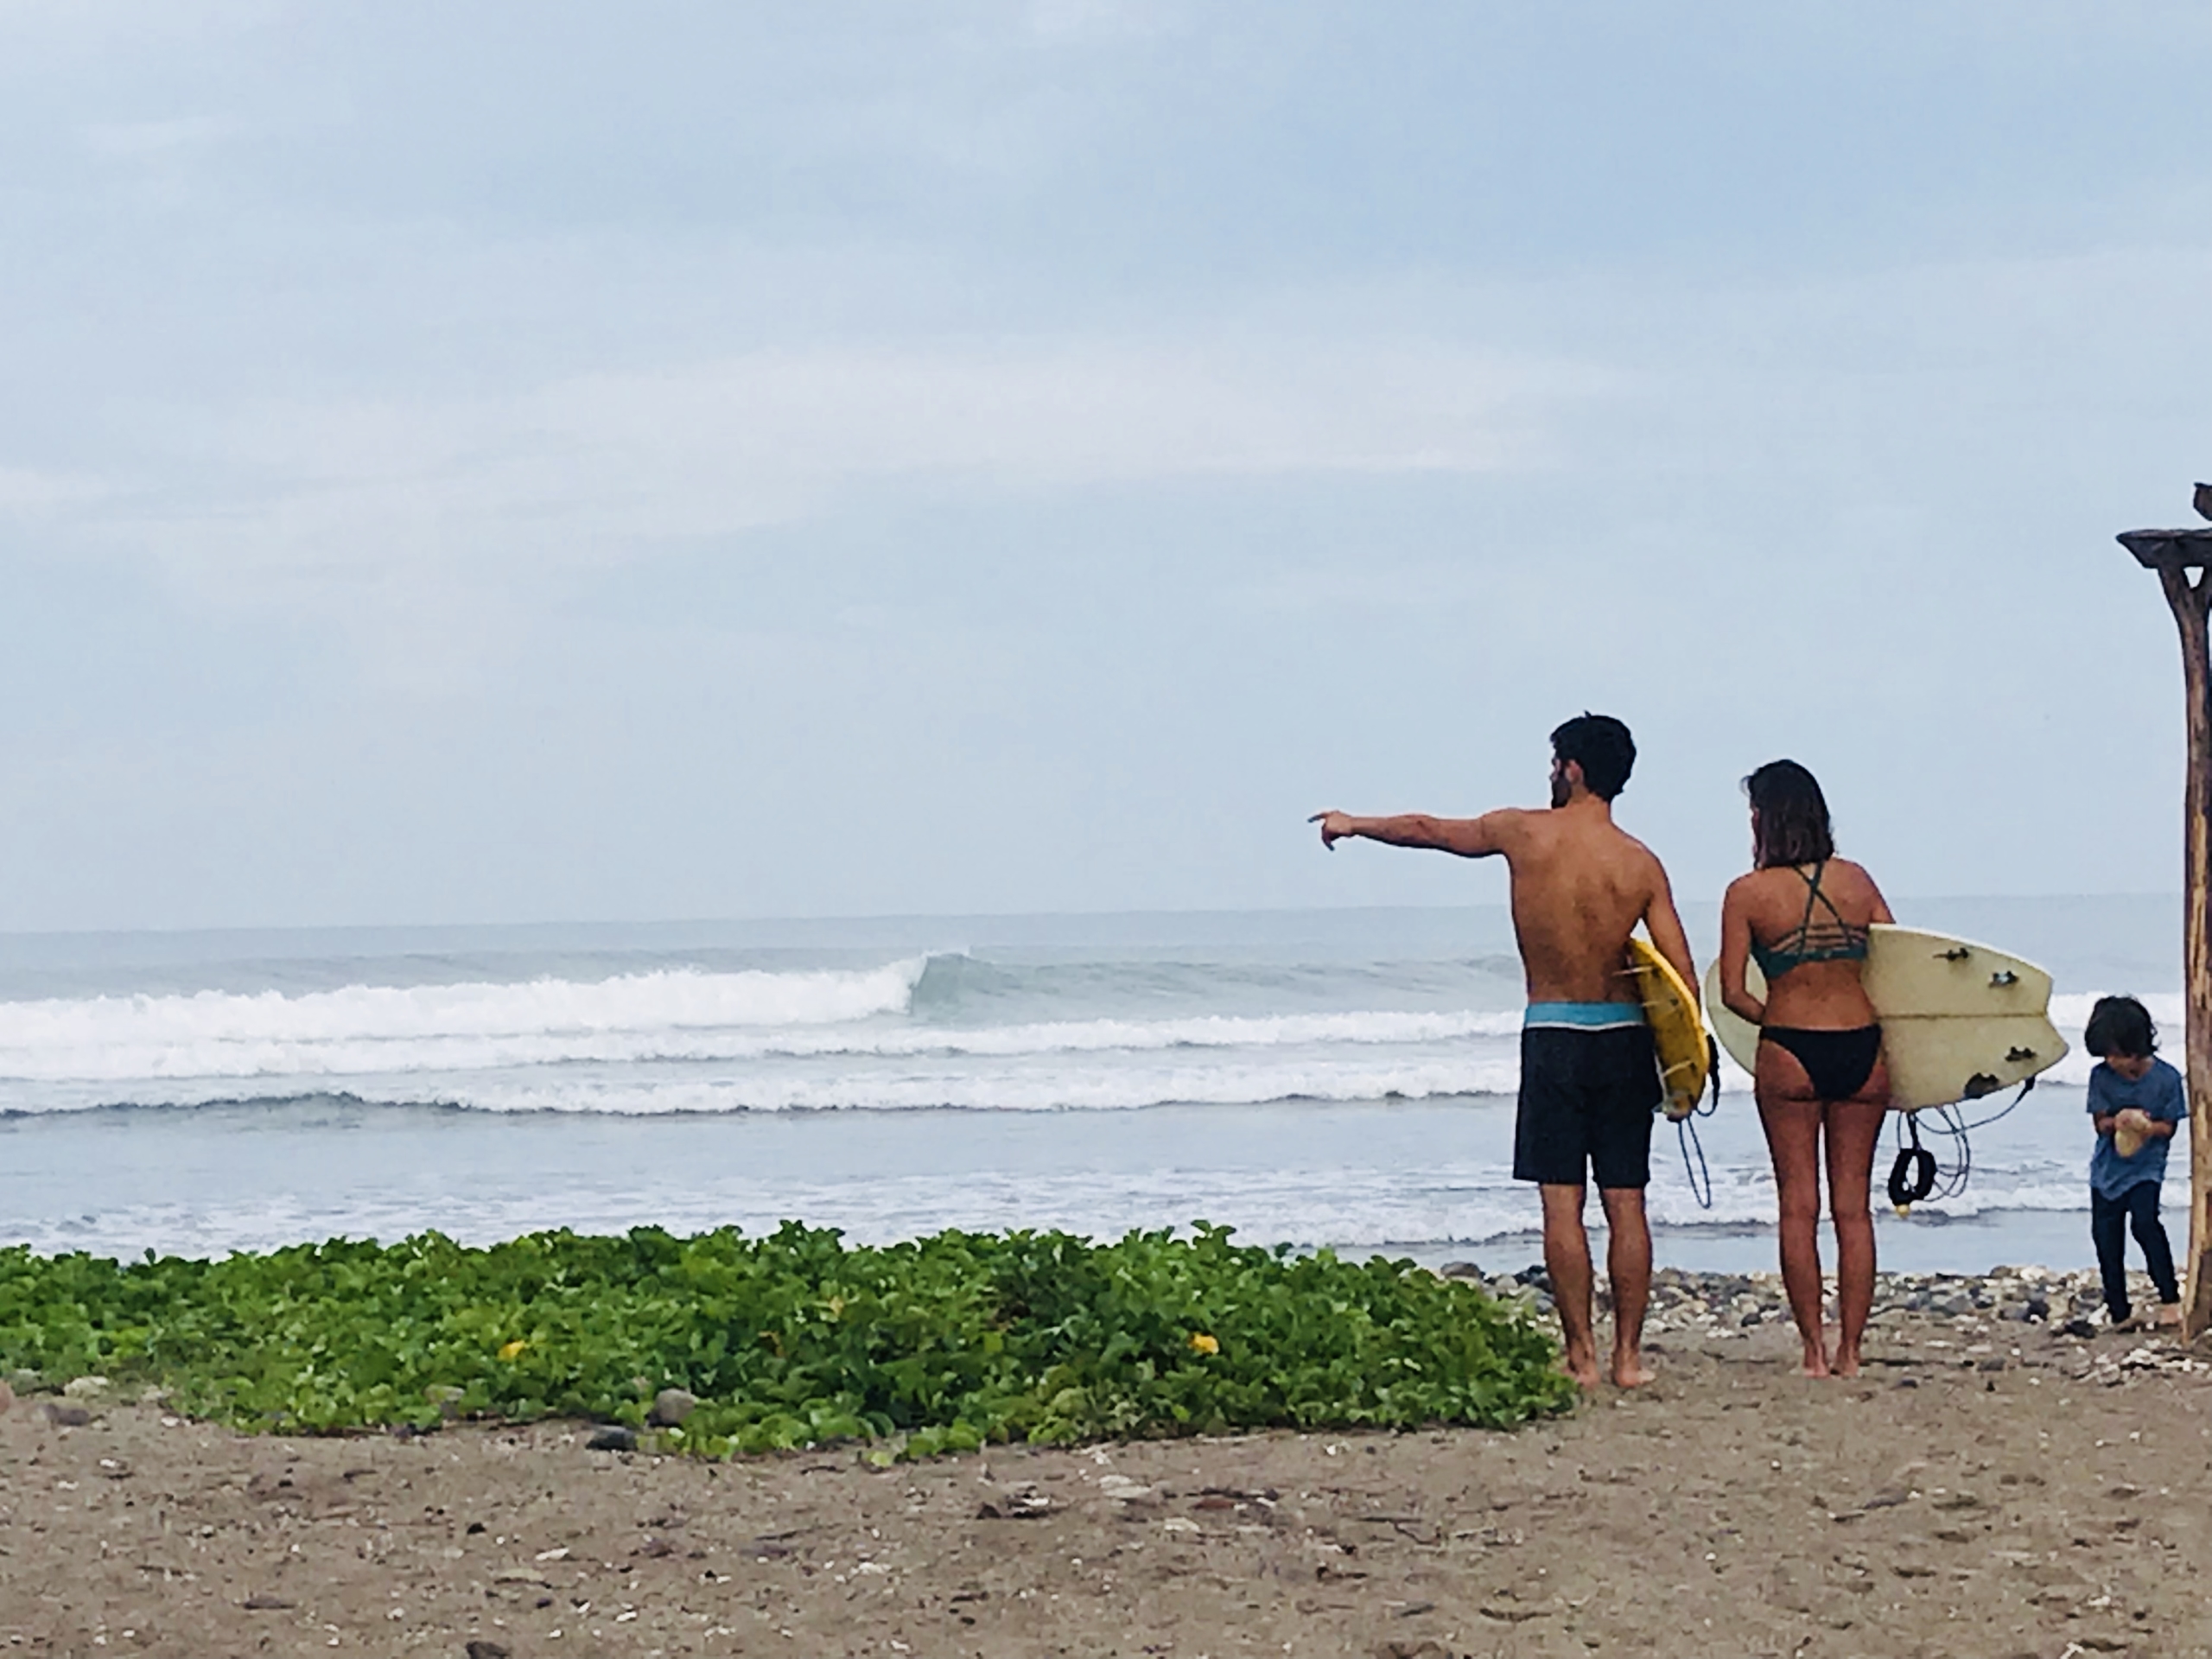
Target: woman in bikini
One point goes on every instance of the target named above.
(1803, 914)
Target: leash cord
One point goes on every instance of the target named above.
(1699, 1173)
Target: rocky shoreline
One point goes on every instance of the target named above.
(2059, 1314)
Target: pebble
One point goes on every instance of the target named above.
(671, 1407)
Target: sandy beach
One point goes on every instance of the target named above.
(1992, 1486)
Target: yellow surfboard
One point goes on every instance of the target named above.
(1677, 1029)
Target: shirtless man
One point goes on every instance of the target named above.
(1589, 1079)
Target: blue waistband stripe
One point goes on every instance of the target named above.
(1584, 1016)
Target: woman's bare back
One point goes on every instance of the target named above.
(1776, 904)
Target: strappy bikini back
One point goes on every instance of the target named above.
(1832, 940)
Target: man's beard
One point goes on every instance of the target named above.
(1563, 791)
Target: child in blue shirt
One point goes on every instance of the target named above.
(2135, 1100)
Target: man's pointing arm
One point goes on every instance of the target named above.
(1467, 837)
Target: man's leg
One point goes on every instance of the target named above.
(2108, 1232)
(1566, 1258)
(2151, 1234)
(1627, 1261)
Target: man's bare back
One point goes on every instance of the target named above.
(1581, 885)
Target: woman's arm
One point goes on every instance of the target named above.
(1736, 953)
(1881, 904)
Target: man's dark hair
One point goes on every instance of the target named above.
(1793, 821)
(1601, 745)
(2120, 1025)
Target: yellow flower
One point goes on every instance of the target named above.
(512, 1349)
(1203, 1344)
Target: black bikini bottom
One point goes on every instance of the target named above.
(1837, 1063)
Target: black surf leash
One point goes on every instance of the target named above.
(1916, 1176)
(1699, 1173)
(1912, 1178)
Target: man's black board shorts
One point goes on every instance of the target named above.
(1586, 1099)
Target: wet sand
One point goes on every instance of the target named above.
(1990, 1487)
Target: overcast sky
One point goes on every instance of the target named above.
(566, 461)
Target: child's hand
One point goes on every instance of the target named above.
(2133, 1119)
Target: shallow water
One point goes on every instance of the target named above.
(1317, 1078)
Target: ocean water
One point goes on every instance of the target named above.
(1338, 1077)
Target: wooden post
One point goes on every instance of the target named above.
(2174, 554)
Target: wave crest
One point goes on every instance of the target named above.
(386, 1027)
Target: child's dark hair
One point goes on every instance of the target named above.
(1793, 825)
(1601, 745)
(2120, 1025)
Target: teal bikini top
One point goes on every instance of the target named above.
(1833, 940)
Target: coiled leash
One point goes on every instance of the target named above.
(1912, 1178)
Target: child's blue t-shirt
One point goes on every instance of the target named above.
(2159, 1094)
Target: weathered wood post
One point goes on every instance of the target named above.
(2174, 554)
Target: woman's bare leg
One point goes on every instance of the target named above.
(1792, 1122)
(1855, 1128)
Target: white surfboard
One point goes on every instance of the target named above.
(1958, 1020)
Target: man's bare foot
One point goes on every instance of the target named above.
(2169, 1316)
(1583, 1367)
(1846, 1362)
(1629, 1371)
(1816, 1359)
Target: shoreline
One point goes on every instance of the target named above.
(1928, 1242)
(1414, 1179)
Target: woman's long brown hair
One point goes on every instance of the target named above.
(1793, 816)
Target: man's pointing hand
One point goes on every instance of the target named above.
(1335, 826)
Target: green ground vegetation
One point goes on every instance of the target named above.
(792, 1339)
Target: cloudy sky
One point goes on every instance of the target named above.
(551, 461)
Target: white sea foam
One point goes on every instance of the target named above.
(378, 1030)
(384, 1027)
(1040, 1087)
